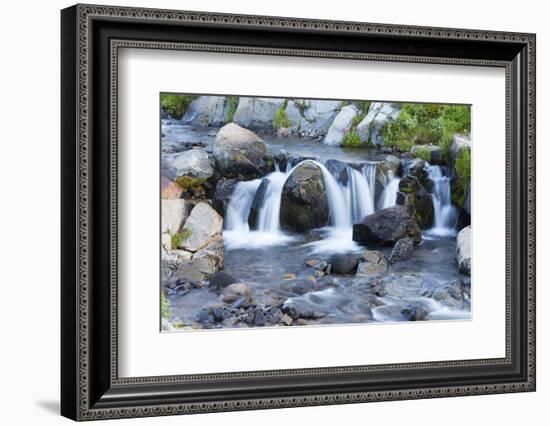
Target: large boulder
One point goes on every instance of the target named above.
(169, 190)
(173, 214)
(341, 125)
(387, 226)
(371, 128)
(464, 250)
(257, 113)
(240, 153)
(304, 202)
(311, 116)
(203, 226)
(193, 164)
(206, 111)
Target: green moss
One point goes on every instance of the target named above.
(165, 309)
(357, 119)
(189, 183)
(281, 117)
(423, 153)
(233, 103)
(351, 139)
(178, 238)
(176, 105)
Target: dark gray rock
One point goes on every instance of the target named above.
(221, 280)
(338, 169)
(386, 227)
(343, 263)
(415, 313)
(222, 194)
(257, 203)
(403, 250)
(304, 202)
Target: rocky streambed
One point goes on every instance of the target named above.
(272, 229)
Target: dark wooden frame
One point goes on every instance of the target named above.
(91, 37)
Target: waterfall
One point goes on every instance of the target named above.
(236, 218)
(389, 194)
(445, 214)
(360, 194)
(268, 215)
(348, 204)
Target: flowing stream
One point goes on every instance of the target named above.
(445, 214)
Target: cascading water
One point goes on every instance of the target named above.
(348, 204)
(389, 194)
(445, 214)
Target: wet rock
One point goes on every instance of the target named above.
(286, 320)
(312, 262)
(403, 250)
(257, 203)
(221, 280)
(304, 203)
(236, 291)
(415, 313)
(193, 164)
(387, 226)
(173, 215)
(289, 276)
(450, 294)
(463, 250)
(340, 126)
(416, 167)
(405, 286)
(240, 153)
(343, 263)
(222, 194)
(371, 128)
(300, 309)
(169, 190)
(202, 227)
(283, 132)
(339, 170)
(372, 262)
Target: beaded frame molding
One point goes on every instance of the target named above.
(91, 39)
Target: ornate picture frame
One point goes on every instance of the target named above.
(90, 41)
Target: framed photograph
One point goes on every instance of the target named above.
(263, 212)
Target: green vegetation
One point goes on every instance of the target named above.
(423, 153)
(420, 124)
(281, 117)
(233, 102)
(178, 238)
(165, 310)
(463, 166)
(190, 184)
(176, 105)
(351, 139)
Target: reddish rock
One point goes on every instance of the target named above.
(169, 190)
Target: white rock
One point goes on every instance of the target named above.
(193, 163)
(173, 214)
(206, 111)
(311, 115)
(166, 326)
(257, 113)
(464, 250)
(202, 226)
(379, 114)
(340, 125)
